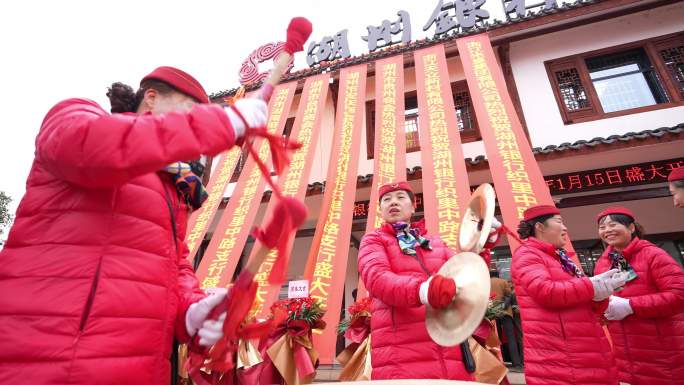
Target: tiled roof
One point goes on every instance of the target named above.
(411, 46)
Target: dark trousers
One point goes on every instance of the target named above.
(511, 340)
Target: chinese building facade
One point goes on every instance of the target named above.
(592, 91)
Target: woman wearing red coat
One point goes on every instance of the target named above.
(94, 277)
(398, 263)
(676, 185)
(645, 318)
(562, 338)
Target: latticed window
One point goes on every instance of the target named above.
(463, 108)
(411, 127)
(673, 58)
(571, 89)
(631, 78)
(625, 80)
(411, 124)
(464, 111)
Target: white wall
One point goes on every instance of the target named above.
(541, 111)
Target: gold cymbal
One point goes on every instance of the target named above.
(477, 219)
(455, 323)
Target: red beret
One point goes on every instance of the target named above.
(676, 174)
(389, 187)
(615, 210)
(179, 80)
(538, 211)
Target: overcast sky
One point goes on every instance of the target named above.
(51, 50)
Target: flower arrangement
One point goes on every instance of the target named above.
(299, 309)
(497, 309)
(357, 311)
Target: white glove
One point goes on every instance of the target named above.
(618, 308)
(254, 110)
(423, 291)
(493, 233)
(603, 284)
(618, 280)
(196, 316)
(211, 331)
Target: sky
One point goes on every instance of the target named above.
(52, 50)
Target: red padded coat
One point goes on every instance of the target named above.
(649, 344)
(563, 340)
(93, 285)
(400, 345)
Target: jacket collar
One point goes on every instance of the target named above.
(635, 245)
(541, 245)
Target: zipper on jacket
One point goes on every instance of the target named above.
(91, 296)
(560, 322)
(628, 355)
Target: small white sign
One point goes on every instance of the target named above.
(298, 289)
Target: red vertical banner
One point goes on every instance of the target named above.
(329, 255)
(295, 179)
(517, 178)
(226, 245)
(445, 180)
(201, 219)
(389, 145)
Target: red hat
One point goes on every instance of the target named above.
(180, 80)
(538, 211)
(389, 187)
(676, 174)
(615, 210)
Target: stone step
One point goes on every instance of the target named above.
(330, 373)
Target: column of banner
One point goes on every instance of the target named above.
(330, 249)
(295, 180)
(517, 178)
(226, 245)
(445, 180)
(389, 148)
(201, 219)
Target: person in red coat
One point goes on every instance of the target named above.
(398, 264)
(563, 340)
(94, 277)
(645, 318)
(676, 184)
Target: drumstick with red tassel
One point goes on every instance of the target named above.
(288, 215)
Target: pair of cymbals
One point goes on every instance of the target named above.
(455, 323)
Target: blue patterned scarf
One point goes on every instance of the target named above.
(188, 184)
(408, 238)
(618, 261)
(568, 265)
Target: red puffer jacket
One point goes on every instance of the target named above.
(649, 344)
(401, 346)
(562, 338)
(93, 287)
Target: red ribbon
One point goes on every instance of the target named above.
(301, 328)
(219, 359)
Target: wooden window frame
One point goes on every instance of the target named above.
(472, 135)
(595, 111)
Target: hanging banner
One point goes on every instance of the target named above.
(389, 146)
(518, 180)
(295, 180)
(201, 219)
(327, 262)
(227, 243)
(445, 180)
